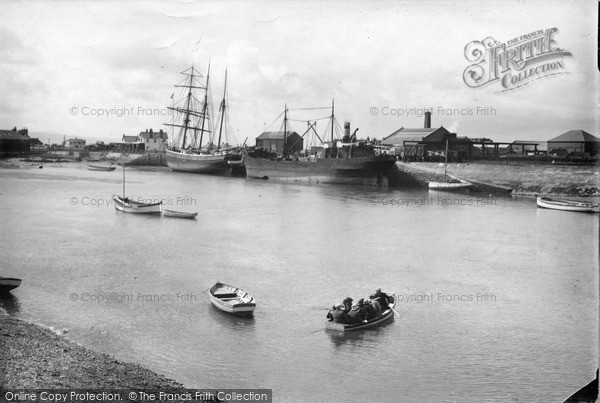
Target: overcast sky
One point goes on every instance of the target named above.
(62, 62)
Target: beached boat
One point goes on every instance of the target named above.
(178, 214)
(128, 205)
(462, 184)
(231, 299)
(449, 184)
(94, 167)
(347, 161)
(568, 205)
(192, 120)
(8, 283)
(385, 316)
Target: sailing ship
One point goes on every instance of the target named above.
(348, 161)
(448, 183)
(192, 147)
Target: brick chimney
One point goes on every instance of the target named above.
(427, 120)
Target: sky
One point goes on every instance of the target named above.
(63, 64)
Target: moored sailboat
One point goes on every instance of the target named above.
(128, 205)
(449, 184)
(339, 162)
(187, 151)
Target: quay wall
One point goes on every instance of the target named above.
(579, 180)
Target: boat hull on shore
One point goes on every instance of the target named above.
(568, 205)
(127, 205)
(385, 317)
(449, 186)
(8, 283)
(368, 170)
(93, 167)
(232, 300)
(198, 163)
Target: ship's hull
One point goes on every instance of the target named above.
(198, 163)
(369, 170)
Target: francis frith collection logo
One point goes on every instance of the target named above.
(514, 63)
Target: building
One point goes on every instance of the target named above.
(75, 144)
(154, 142)
(529, 147)
(575, 141)
(274, 142)
(13, 141)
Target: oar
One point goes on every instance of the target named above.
(207, 289)
(395, 311)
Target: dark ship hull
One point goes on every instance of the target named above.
(367, 170)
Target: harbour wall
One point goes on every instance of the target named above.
(579, 180)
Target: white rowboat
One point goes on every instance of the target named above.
(231, 299)
(178, 214)
(568, 205)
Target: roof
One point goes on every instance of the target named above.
(154, 135)
(75, 140)
(405, 134)
(575, 136)
(13, 135)
(273, 135)
(130, 139)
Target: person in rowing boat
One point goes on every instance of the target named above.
(370, 310)
(340, 315)
(358, 312)
(347, 304)
(382, 297)
(377, 306)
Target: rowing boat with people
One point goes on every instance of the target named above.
(386, 315)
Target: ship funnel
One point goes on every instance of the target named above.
(347, 129)
(427, 119)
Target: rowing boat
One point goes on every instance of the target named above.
(568, 205)
(385, 316)
(463, 184)
(93, 167)
(178, 214)
(231, 299)
(8, 283)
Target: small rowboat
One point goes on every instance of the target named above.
(93, 167)
(568, 205)
(127, 205)
(7, 284)
(386, 315)
(450, 185)
(178, 214)
(231, 299)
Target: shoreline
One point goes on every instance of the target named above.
(34, 357)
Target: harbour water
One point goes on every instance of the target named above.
(498, 299)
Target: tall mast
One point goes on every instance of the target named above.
(204, 107)
(187, 108)
(123, 179)
(332, 117)
(222, 111)
(284, 130)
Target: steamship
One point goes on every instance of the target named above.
(346, 161)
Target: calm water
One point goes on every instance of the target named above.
(498, 299)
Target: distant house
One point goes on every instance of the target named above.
(274, 142)
(13, 141)
(154, 141)
(575, 141)
(75, 144)
(130, 139)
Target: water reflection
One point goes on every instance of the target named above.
(229, 321)
(363, 337)
(9, 303)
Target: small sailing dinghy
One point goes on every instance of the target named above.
(448, 184)
(178, 214)
(568, 205)
(231, 299)
(8, 283)
(128, 205)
